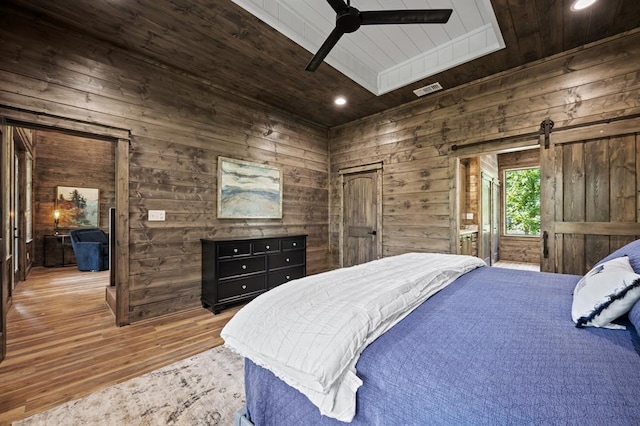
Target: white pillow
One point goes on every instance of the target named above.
(605, 293)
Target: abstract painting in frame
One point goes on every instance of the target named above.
(78, 207)
(248, 190)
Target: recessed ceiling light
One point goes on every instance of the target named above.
(340, 101)
(581, 4)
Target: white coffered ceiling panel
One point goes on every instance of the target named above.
(382, 58)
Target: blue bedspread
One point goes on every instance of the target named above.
(496, 347)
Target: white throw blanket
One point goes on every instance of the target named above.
(310, 332)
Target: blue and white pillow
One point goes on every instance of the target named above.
(605, 293)
(631, 250)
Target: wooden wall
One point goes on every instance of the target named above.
(489, 165)
(415, 141)
(179, 125)
(514, 248)
(67, 160)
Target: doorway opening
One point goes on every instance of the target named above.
(63, 181)
(482, 215)
(54, 155)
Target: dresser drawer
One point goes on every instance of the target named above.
(293, 244)
(236, 270)
(234, 249)
(238, 287)
(235, 267)
(283, 260)
(266, 246)
(284, 275)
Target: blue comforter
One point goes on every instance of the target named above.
(496, 347)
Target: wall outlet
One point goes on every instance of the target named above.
(469, 216)
(156, 215)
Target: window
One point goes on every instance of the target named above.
(522, 201)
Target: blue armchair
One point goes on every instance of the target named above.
(91, 247)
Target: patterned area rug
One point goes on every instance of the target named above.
(206, 389)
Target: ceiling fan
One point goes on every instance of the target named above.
(349, 19)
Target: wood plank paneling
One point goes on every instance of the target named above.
(220, 42)
(520, 249)
(178, 126)
(569, 88)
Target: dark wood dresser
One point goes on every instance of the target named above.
(57, 250)
(235, 270)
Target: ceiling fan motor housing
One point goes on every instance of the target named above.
(348, 20)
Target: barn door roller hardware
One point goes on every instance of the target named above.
(545, 128)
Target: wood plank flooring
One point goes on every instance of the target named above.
(62, 342)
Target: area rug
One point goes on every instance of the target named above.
(206, 389)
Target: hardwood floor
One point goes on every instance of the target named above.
(62, 342)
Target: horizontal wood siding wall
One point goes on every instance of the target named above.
(592, 83)
(69, 160)
(179, 126)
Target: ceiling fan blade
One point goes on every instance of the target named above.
(324, 50)
(429, 16)
(338, 5)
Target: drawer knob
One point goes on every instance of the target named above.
(244, 286)
(287, 259)
(244, 266)
(295, 244)
(288, 277)
(235, 250)
(268, 247)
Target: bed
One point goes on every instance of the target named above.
(494, 346)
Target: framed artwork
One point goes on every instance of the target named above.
(78, 207)
(248, 190)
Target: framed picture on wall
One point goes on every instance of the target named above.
(248, 190)
(78, 207)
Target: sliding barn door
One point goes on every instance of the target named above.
(589, 197)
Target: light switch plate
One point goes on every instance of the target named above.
(156, 215)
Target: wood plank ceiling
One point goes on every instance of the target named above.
(221, 43)
(382, 58)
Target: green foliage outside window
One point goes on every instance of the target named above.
(522, 201)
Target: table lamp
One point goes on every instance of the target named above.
(56, 220)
